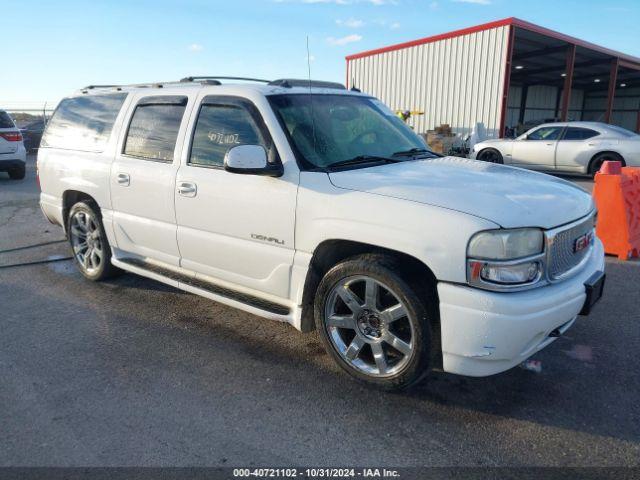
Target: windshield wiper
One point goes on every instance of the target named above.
(414, 152)
(363, 159)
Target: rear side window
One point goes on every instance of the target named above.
(574, 133)
(5, 121)
(219, 128)
(154, 126)
(83, 123)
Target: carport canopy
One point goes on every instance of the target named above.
(542, 57)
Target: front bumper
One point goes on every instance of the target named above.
(484, 333)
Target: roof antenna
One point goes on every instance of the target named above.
(313, 123)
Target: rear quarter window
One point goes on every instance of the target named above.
(83, 123)
(574, 133)
(5, 121)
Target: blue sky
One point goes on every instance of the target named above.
(52, 48)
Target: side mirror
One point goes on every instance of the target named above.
(251, 160)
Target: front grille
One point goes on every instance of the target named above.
(562, 254)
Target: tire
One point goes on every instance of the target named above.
(598, 160)
(490, 155)
(94, 258)
(17, 173)
(363, 337)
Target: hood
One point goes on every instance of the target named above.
(496, 140)
(508, 196)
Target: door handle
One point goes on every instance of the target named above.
(550, 144)
(187, 189)
(124, 179)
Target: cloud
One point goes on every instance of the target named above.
(387, 23)
(310, 59)
(343, 40)
(434, 5)
(475, 2)
(350, 23)
(195, 47)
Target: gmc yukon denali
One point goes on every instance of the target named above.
(303, 202)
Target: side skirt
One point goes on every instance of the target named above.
(242, 301)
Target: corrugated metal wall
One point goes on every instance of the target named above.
(458, 80)
(541, 104)
(625, 107)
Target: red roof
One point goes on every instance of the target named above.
(501, 23)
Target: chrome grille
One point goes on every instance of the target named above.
(562, 257)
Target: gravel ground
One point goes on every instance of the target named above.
(131, 372)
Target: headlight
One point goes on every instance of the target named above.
(506, 244)
(506, 259)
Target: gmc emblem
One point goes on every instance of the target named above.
(582, 242)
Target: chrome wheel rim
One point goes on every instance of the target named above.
(86, 242)
(369, 326)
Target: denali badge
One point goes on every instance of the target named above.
(582, 242)
(264, 238)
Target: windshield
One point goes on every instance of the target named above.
(342, 127)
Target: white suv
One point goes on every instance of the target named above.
(310, 204)
(13, 155)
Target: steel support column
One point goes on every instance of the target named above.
(568, 82)
(613, 79)
(523, 103)
(507, 80)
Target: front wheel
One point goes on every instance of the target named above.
(490, 155)
(374, 323)
(91, 250)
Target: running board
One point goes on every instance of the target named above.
(188, 281)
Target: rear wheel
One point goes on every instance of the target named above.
(600, 158)
(17, 173)
(91, 250)
(490, 155)
(374, 323)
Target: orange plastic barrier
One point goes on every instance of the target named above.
(617, 196)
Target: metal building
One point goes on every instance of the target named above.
(502, 73)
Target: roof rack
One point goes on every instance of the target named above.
(128, 85)
(215, 80)
(209, 78)
(293, 82)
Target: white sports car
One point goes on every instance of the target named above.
(572, 147)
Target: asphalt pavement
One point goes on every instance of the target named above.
(131, 372)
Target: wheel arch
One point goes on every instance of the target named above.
(330, 252)
(70, 198)
(613, 153)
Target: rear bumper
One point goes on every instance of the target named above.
(20, 155)
(12, 160)
(484, 333)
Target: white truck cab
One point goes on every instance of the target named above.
(303, 202)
